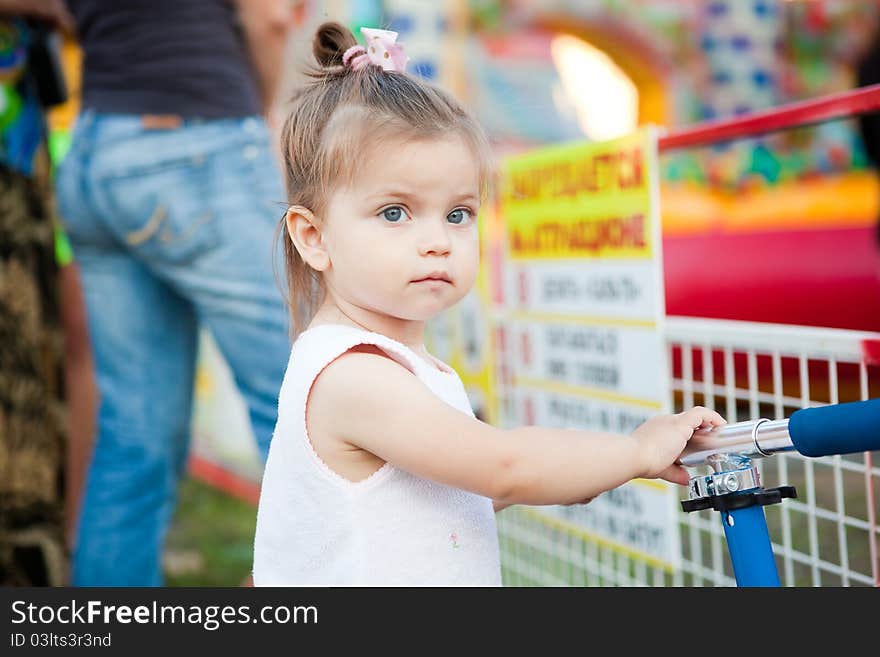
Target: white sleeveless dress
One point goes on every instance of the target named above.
(314, 527)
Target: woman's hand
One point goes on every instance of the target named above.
(54, 11)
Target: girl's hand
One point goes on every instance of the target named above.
(662, 438)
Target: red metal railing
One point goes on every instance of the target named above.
(218, 476)
(793, 115)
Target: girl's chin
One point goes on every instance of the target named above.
(423, 314)
(414, 310)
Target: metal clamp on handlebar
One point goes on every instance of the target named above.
(728, 502)
(734, 483)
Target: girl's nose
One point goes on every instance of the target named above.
(434, 240)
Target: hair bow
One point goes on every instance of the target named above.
(381, 50)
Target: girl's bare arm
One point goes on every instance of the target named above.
(376, 404)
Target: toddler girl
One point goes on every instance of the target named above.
(378, 472)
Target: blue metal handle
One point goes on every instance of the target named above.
(836, 429)
(748, 543)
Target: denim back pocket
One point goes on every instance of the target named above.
(165, 211)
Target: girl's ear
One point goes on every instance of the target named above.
(306, 237)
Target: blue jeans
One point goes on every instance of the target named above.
(173, 230)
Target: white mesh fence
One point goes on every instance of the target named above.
(828, 536)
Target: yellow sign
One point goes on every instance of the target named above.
(579, 201)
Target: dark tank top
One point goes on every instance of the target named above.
(185, 57)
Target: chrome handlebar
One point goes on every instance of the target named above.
(752, 439)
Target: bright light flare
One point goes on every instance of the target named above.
(605, 99)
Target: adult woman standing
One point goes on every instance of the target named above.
(169, 193)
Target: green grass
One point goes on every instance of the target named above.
(210, 542)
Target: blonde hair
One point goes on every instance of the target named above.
(333, 119)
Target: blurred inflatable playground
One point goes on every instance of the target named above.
(779, 228)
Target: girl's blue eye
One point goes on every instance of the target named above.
(458, 216)
(393, 214)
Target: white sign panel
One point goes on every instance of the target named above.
(578, 338)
